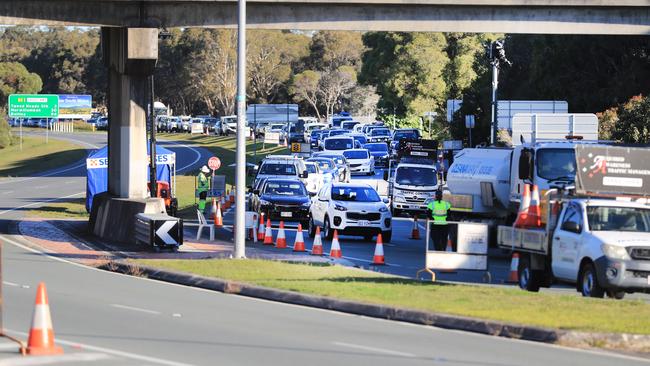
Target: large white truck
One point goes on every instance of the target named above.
(487, 183)
(592, 238)
(412, 176)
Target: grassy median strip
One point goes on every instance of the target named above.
(71, 208)
(568, 312)
(36, 156)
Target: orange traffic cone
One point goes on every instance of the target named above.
(335, 250)
(450, 245)
(513, 276)
(281, 241)
(415, 232)
(218, 218)
(522, 215)
(261, 231)
(214, 207)
(378, 258)
(534, 211)
(317, 247)
(299, 244)
(268, 234)
(41, 334)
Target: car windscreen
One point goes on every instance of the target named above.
(324, 164)
(556, 163)
(278, 169)
(316, 133)
(413, 135)
(348, 125)
(284, 188)
(381, 147)
(380, 132)
(311, 168)
(356, 194)
(415, 176)
(337, 132)
(633, 219)
(361, 139)
(339, 144)
(356, 154)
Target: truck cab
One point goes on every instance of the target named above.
(412, 176)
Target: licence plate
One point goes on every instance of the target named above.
(285, 214)
(364, 223)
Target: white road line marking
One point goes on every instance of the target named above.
(126, 307)
(198, 154)
(9, 347)
(49, 360)
(373, 349)
(7, 192)
(368, 261)
(40, 187)
(114, 352)
(10, 284)
(38, 203)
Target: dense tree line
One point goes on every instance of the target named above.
(397, 76)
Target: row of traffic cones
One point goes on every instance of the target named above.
(530, 213)
(217, 215)
(265, 235)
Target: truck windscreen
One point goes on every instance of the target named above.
(556, 163)
(604, 218)
(414, 176)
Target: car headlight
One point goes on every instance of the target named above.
(340, 208)
(383, 209)
(265, 203)
(615, 252)
(399, 199)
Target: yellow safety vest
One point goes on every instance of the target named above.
(203, 184)
(439, 211)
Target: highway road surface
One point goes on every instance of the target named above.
(103, 318)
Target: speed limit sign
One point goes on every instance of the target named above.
(214, 163)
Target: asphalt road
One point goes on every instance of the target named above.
(103, 318)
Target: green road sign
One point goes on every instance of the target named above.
(34, 105)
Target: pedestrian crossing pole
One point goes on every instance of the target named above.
(240, 178)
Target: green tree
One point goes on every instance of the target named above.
(16, 79)
(329, 50)
(633, 125)
(305, 88)
(5, 130)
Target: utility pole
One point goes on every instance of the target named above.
(152, 142)
(497, 55)
(240, 178)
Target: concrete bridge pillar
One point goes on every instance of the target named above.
(130, 54)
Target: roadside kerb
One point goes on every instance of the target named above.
(488, 327)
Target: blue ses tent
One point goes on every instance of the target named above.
(97, 171)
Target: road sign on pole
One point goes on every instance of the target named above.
(34, 105)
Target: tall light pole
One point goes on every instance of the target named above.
(240, 175)
(497, 55)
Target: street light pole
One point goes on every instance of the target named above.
(240, 177)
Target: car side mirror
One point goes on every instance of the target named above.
(304, 174)
(526, 165)
(312, 194)
(256, 192)
(386, 175)
(571, 226)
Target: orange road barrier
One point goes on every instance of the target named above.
(317, 248)
(41, 334)
(281, 241)
(261, 231)
(268, 234)
(378, 258)
(218, 218)
(335, 250)
(299, 244)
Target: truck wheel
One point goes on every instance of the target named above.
(529, 279)
(588, 281)
(616, 294)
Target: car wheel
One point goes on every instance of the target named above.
(329, 233)
(589, 286)
(615, 294)
(312, 228)
(528, 279)
(386, 236)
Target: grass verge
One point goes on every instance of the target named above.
(36, 156)
(567, 312)
(74, 208)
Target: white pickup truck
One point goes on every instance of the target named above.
(600, 245)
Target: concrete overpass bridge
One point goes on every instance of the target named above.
(130, 48)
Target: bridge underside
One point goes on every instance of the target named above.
(512, 16)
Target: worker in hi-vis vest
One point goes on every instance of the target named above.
(203, 186)
(439, 229)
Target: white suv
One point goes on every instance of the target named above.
(283, 166)
(352, 209)
(338, 144)
(360, 161)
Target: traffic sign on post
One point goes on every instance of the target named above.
(34, 105)
(214, 163)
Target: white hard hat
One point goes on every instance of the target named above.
(205, 169)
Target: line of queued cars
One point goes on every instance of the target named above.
(318, 190)
(31, 122)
